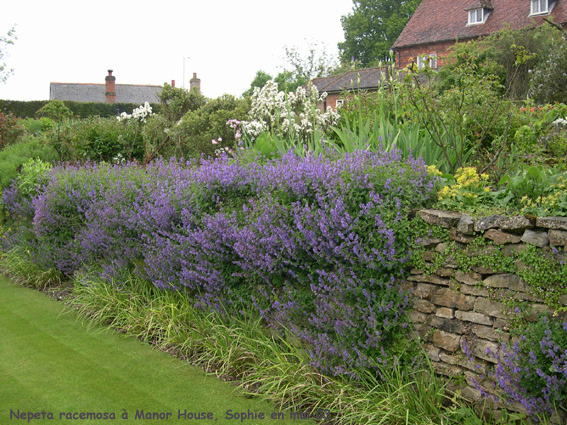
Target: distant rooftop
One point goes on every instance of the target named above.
(86, 92)
(125, 93)
(359, 79)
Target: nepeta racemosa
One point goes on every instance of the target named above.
(532, 371)
(312, 244)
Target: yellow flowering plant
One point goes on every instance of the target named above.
(466, 189)
(554, 203)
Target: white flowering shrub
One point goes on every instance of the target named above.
(549, 79)
(141, 113)
(293, 115)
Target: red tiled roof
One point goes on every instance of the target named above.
(445, 20)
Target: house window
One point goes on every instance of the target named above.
(539, 7)
(340, 102)
(429, 60)
(476, 16)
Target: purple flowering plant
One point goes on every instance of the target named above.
(313, 244)
(532, 370)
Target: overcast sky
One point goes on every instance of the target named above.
(144, 42)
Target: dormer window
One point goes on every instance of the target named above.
(539, 7)
(476, 16)
(479, 12)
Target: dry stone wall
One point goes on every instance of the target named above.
(452, 307)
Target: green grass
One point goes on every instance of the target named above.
(50, 362)
(274, 366)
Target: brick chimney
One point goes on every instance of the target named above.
(195, 83)
(110, 91)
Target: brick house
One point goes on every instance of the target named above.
(437, 24)
(338, 87)
(109, 92)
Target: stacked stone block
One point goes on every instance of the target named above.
(452, 308)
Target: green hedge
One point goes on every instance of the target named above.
(28, 109)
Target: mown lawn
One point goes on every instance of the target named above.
(50, 362)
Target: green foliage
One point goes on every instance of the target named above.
(18, 264)
(99, 139)
(155, 136)
(469, 122)
(532, 183)
(195, 133)
(369, 121)
(35, 127)
(5, 42)
(288, 82)
(176, 102)
(22, 109)
(515, 57)
(540, 133)
(29, 109)
(518, 52)
(259, 81)
(469, 191)
(547, 85)
(15, 156)
(271, 366)
(543, 272)
(302, 67)
(32, 177)
(11, 129)
(372, 28)
(472, 56)
(546, 274)
(55, 110)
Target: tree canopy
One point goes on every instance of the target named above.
(373, 27)
(5, 41)
(302, 65)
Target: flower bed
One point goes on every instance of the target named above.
(313, 244)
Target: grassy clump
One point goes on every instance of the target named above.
(273, 365)
(52, 364)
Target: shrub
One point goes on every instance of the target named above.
(509, 55)
(313, 244)
(547, 85)
(35, 127)
(11, 129)
(32, 177)
(176, 102)
(293, 115)
(55, 110)
(538, 191)
(205, 130)
(469, 121)
(99, 139)
(14, 156)
(25, 187)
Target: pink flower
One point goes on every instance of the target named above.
(215, 142)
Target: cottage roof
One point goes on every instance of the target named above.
(125, 93)
(446, 20)
(360, 79)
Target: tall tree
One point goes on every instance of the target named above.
(313, 62)
(260, 80)
(373, 27)
(5, 41)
